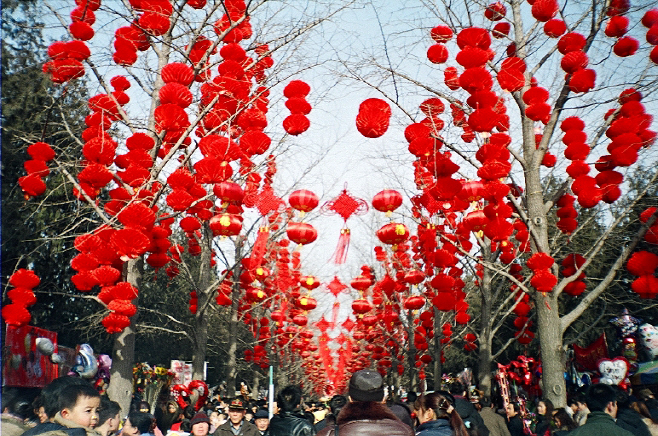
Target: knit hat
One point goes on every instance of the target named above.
(200, 417)
(366, 385)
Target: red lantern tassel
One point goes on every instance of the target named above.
(258, 250)
(340, 255)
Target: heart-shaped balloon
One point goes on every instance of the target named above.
(649, 339)
(613, 371)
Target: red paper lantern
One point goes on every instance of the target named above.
(373, 118)
(544, 10)
(393, 233)
(437, 54)
(301, 233)
(442, 34)
(554, 28)
(387, 200)
(303, 200)
(361, 306)
(226, 224)
(296, 124)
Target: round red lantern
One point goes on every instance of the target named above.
(301, 233)
(226, 224)
(303, 200)
(387, 200)
(361, 306)
(393, 233)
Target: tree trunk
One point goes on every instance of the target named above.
(203, 296)
(411, 352)
(438, 366)
(232, 346)
(123, 350)
(553, 358)
(255, 384)
(485, 338)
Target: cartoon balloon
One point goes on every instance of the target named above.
(86, 364)
(180, 394)
(649, 340)
(626, 323)
(45, 346)
(199, 393)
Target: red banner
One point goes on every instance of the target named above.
(25, 364)
(587, 358)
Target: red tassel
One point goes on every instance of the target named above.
(340, 255)
(258, 250)
(334, 314)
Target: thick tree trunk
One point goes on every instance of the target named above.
(232, 346)
(123, 352)
(201, 319)
(411, 352)
(553, 358)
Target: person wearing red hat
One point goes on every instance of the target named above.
(236, 424)
(200, 424)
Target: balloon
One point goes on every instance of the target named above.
(649, 340)
(198, 393)
(56, 358)
(614, 371)
(180, 394)
(104, 366)
(86, 363)
(626, 323)
(45, 346)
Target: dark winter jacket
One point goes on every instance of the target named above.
(438, 427)
(291, 424)
(366, 418)
(543, 424)
(61, 427)
(470, 415)
(515, 426)
(630, 420)
(246, 429)
(600, 424)
(494, 422)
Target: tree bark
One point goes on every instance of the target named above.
(120, 388)
(203, 296)
(438, 335)
(553, 357)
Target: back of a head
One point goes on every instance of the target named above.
(622, 397)
(366, 386)
(599, 396)
(15, 403)
(289, 398)
(69, 396)
(440, 402)
(411, 397)
(51, 392)
(108, 409)
(336, 403)
(141, 421)
(456, 388)
(486, 402)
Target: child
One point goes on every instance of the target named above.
(78, 412)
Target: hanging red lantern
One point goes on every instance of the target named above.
(361, 306)
(414, 277)
(303, 200)
(393, 233)
(361, 283)
(309, 282)
(415, 302)
(373, 118)
(226, 224)
(301, 233)
(306, 303)
(387, 201)
(229, 192)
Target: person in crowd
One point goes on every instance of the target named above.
(171, 416)
(335, 405)
(290, 421)
(50, 396)
(215, 420)
(200, 424)
(602, 403)
(572, 407)
(545, 410)
(39, 410)
(138, 423)
(642, 409)
(563, 422)
(466, 410)
(78, 412)
(365, 414)
(236, 424)
(583, 411)
(319, 413)
(402, 411)
(649, 399)
(144, 407)
(15, 411)
(627, 418)
(109, 417)
(262, 421)
(249, 416)
(514, 423)
(493, 421)
(438, 417)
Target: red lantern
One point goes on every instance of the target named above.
(301, 233)
(415, 302)
(309, 282)
(229, 192)
(361, 306)
(361, 283)
(387, 200)
(226, 224)
(303, 200)
(393, 233)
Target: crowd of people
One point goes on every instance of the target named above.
(70, 406)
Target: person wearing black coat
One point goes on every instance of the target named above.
(466, 410)
(545, 410)
(627, 418)
(290, 421)
(514, 423)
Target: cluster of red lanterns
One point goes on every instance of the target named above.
(373, 118)
(567, 214)
(650, 21)
(299, 232)
(643, 264)
(522, 322)
(21, 296)
(542, 279)
(297, 123)
(37, 168)
(234, 26)
(651, 236)
(570, 265)
(617, 27)
(128, 40)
